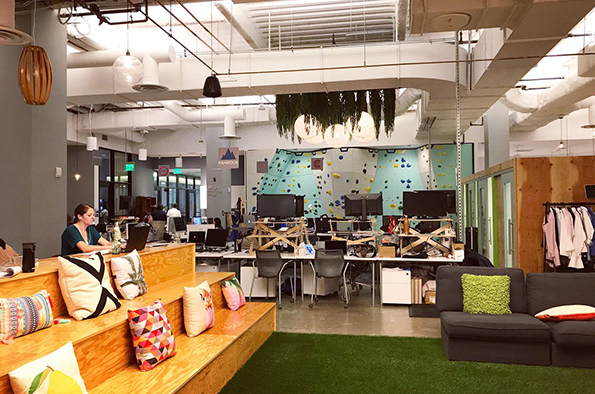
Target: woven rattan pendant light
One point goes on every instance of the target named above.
(35, 72)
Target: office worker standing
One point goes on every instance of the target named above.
(159, 213)
(81, 236)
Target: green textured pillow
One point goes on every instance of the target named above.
(486, 294)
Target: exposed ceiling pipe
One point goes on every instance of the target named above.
(406, 100)
(215, 114)
(591, 124)
(107, 58)
(520, 101)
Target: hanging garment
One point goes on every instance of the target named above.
(587, 225)
(578, 241)
(552, 254)
(566, 232)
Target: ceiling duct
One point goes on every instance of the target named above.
(150, 81)
(8, 34)
(107, 58)
(211, 115)
(591, 124)
(229, 129)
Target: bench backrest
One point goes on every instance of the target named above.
(449, 290)
(548, 289)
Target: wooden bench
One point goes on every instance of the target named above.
(103, 345)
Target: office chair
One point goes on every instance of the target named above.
(329, 264)
(268, 265)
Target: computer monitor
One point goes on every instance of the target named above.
(196, 220)
(362, 205)
(336, 245)
(322, 225)
(180, 224)
(216, 237)
(275, 205)
(451, 201)
(310, 223)
(425, 203)
(197, 237)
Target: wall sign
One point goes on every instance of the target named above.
(229, 158)
(163, 170)
(317, 163)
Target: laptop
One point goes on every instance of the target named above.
(249, 221)
(198, 238)
(137, 238)
(336, 245)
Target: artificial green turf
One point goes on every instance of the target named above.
(312, 363)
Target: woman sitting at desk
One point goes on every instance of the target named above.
(81, 236)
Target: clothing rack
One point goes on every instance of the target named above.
(547, 206)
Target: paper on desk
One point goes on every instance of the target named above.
(9, 272)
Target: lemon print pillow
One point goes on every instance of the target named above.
(57, 372)
(50, 382)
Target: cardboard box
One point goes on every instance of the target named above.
(430, 297)
(416, 290)
(458, 251)
(386, 251)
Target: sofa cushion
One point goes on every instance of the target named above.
(567, 312)
(548, 289)
(449, 290)
(580, 333)
(486, 294)
(514, 327)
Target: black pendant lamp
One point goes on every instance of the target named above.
(212, 87)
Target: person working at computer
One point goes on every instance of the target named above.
(217, 223)
(81, 236)
(159, 214)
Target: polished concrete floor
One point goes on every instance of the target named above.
(328, 316)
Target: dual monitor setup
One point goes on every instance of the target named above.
(213, 237)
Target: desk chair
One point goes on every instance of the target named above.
(268, 265)
(329, 264)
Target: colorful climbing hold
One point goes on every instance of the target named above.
(336, 175)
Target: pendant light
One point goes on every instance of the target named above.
(128, 70)
(336, 136)
(91, 140)
(212, 87)
(561, 144)
(142, 152)
(77, 175)
(35, 72)
(179, 162)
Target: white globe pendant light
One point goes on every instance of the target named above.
(364, 130)
(336, 136)
(128, 70)
(305, 130)
(316, 139)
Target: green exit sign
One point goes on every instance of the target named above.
(177, 170)
(129, 167)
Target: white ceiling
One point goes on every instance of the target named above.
(533, 29)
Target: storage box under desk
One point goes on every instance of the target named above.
(396, 286)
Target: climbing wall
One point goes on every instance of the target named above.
(386, 171)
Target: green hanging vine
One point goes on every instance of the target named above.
(326, 109)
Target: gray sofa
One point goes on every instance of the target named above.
(518, 338)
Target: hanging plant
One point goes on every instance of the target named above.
(376, 109)
(326, 109)
(388, 108)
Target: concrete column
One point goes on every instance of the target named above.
(218, 180)
(496, 135)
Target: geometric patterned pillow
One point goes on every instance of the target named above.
(233, 293)
(128, 275)
(23, 315)
(152, 337)
(85, 286)
(199, 314)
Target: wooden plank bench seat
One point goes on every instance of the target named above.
(103, 346)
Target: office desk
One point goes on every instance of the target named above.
(214, 256)
(310, 260)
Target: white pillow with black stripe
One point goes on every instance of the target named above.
(85, 286)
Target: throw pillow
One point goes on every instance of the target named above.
(56, 372)
(152, 336)
(129, 276)
(486, 294)
(85, 286)
(24, 315)
(199, 313)
(233, 293)
(568, 312)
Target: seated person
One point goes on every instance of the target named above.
(81, 236)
